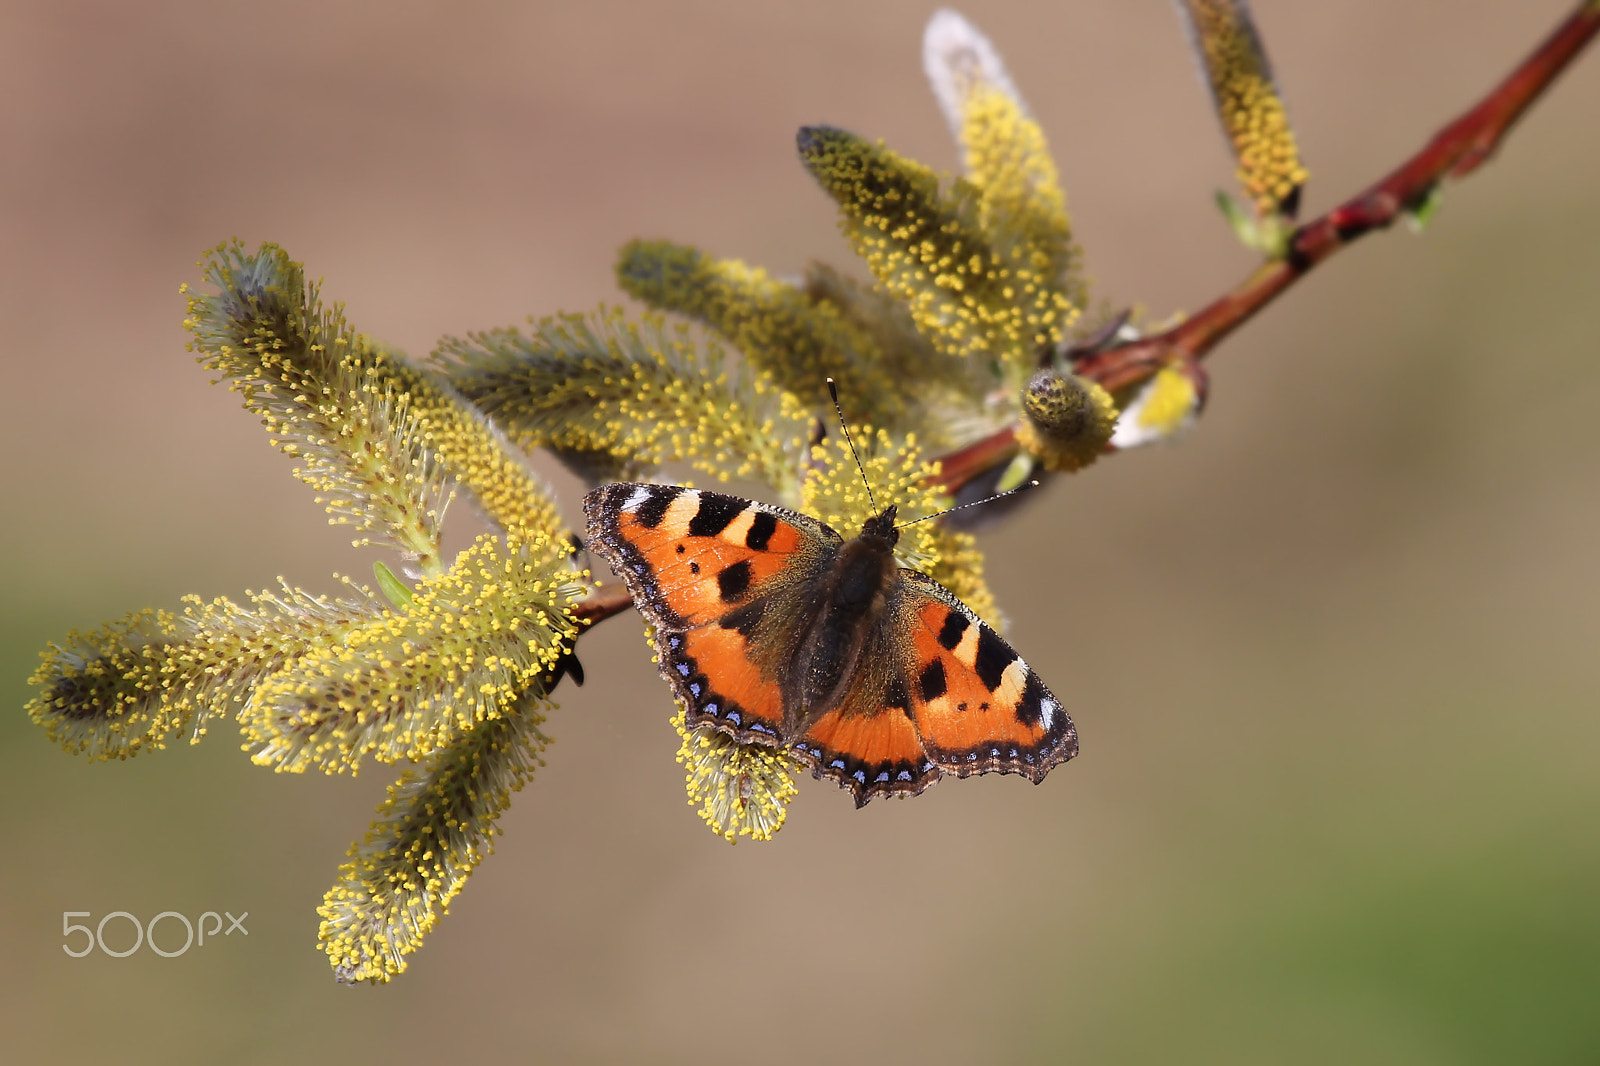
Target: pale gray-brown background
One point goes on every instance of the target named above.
(1332, 657)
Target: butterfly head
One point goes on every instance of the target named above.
(881, 526)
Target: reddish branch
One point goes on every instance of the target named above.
(1455, 151)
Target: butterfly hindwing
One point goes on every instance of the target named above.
(877, 755)
(719, 683)
(869, 744)
(977, 706)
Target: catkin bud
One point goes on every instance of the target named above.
(1067, 420)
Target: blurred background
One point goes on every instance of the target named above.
(1332, 656)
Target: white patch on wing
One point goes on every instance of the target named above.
(637, 497)
(966, 650)
(736, 530)
(1014, 680)
(1047, 712)
(680, 512)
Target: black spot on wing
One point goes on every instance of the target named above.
(955, 624)
(734, 581)
(993, 657)
(894, 695)
(932, 681)
(1029, 707)
(714, 514)
(761, 531)
(746, 619)
(654, 508)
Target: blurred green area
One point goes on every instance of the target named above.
(1332, 656)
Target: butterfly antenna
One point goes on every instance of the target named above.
(974, 503)
(833, 390)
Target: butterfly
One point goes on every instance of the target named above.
(776, 630)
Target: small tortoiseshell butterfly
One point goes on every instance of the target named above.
(776, 630)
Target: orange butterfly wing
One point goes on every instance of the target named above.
(977, 706)
(869, 744)
(937, 691)
(690, 556)
(870, 755)
(701, 566)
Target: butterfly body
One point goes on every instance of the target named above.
(851, 600)
(777, 630)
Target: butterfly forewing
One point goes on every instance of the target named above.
(691, 556)
(977, 706)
